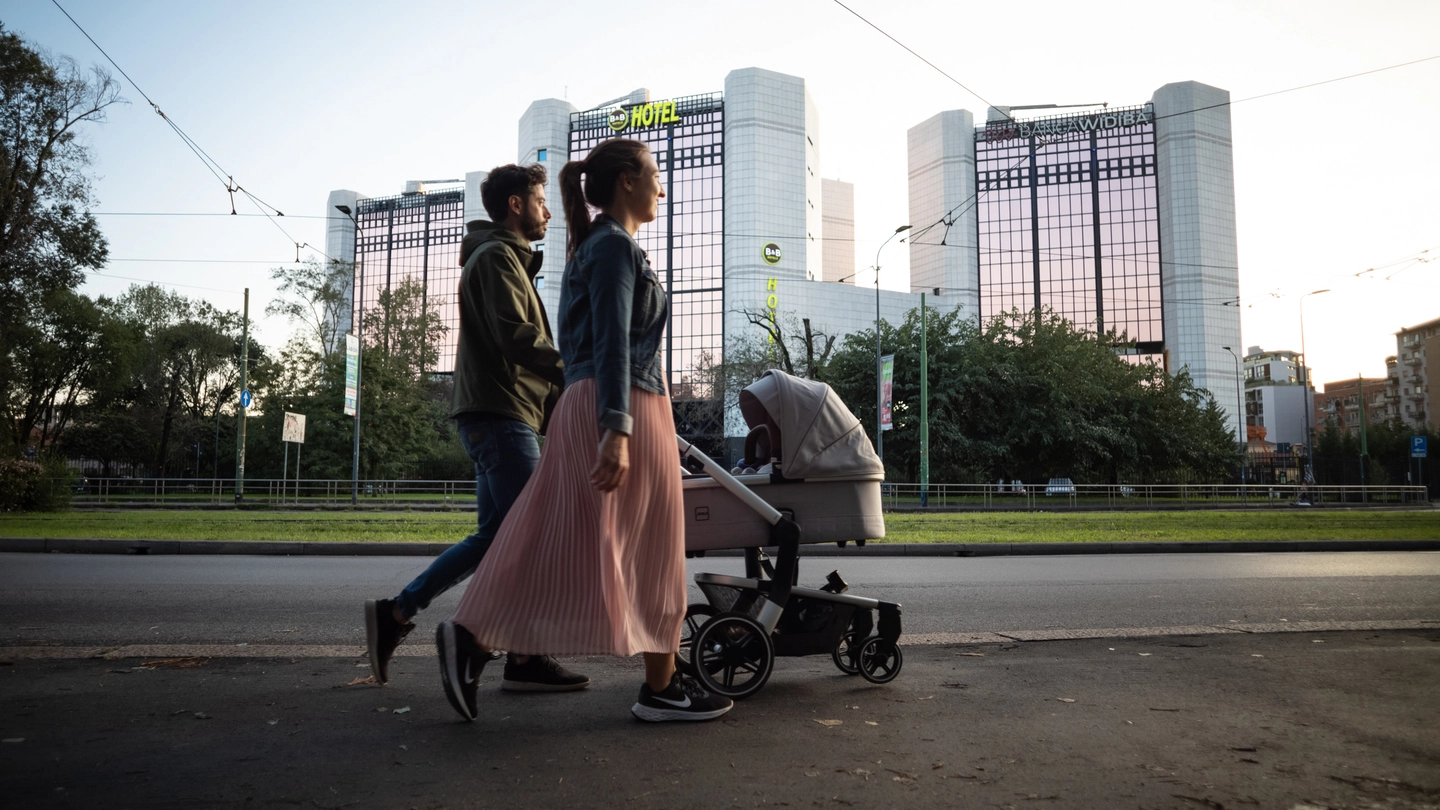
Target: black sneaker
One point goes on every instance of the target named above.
(461, 663)
(382, 635)
(541, 674)
(683, 699)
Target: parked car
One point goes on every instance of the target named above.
(1060, 486)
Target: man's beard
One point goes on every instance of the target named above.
(533, 229)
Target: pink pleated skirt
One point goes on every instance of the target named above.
(574, 571)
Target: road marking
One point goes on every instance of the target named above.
(422, 650)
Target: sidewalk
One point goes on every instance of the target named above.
(33, 545)
(1333, 720)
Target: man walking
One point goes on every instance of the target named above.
(508, 377)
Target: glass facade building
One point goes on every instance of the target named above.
(1067, 219)
(685, 243)
(412, 236)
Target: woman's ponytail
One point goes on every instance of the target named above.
(572, 200)
(601, 168)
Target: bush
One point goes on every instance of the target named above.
(28, 486)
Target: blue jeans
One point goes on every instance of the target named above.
(505, 452)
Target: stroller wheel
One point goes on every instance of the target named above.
(846, 653)
(880, 660)
(733, 655)
(695, 615)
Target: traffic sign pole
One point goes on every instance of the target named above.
(244, 401)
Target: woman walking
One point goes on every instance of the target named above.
(597, 563)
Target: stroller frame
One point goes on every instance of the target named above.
(730, 643)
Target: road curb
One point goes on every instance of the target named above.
(37, 545)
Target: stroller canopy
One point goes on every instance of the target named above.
(820, 437)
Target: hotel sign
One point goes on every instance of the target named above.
(640, 116)
(1064, 126)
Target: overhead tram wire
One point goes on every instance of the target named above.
(948, 219)
(102, 274)
(912, 52)
(225, 178)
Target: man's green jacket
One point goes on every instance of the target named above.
(506, 363)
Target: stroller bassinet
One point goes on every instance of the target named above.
(816, 479)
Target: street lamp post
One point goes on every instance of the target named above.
(1240, 401)
(879, 366)
(357, 288)
(1309, 476)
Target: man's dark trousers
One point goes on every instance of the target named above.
(505, 452)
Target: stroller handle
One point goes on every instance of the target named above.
(726, 480)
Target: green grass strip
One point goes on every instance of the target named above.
(966, 527)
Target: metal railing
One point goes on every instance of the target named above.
(460, 495)
(271, 492)
(1147, 497)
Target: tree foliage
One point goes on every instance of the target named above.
(1032, 398)
(48, 238)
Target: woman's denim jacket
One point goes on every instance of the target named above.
(613, 312)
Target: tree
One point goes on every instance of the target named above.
(1031, 397)
(47, 235)
(66, 347)
(315, 297)
(405, 408)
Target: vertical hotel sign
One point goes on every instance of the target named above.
(887, 388)
(352, 373)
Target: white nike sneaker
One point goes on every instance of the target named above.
(683, 699)
(461, 663)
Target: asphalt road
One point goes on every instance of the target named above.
(1179, 699)
(78, 599)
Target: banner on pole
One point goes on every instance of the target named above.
(352, 373)
(294, 428)
(887, 385)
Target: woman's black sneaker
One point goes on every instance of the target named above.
(540, 674)
(461, 663)
(683, 699)
(382, 635)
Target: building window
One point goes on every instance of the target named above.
(1072, 223)
(540, 155)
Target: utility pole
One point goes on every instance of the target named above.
(879, 364)
(244, 388)
(1364, 446)
(924, 410)
(1240, 412)
(357, 293)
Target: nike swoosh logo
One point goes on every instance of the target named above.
(679, 704)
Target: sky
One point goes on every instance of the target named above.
(296, 99)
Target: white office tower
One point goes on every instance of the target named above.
(772, 199)
(943, 257)
(474, 208)
(545, 139)
(1198, 254)
(340, 245)
(1118, 219)
(837, 223)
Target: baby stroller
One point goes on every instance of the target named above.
(810, 475)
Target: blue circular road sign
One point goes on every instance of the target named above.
(244, 399)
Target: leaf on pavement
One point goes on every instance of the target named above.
(1066, 700)
(871, 723)
(356, 682)
(829, 723)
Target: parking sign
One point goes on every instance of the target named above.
(1418, 447)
